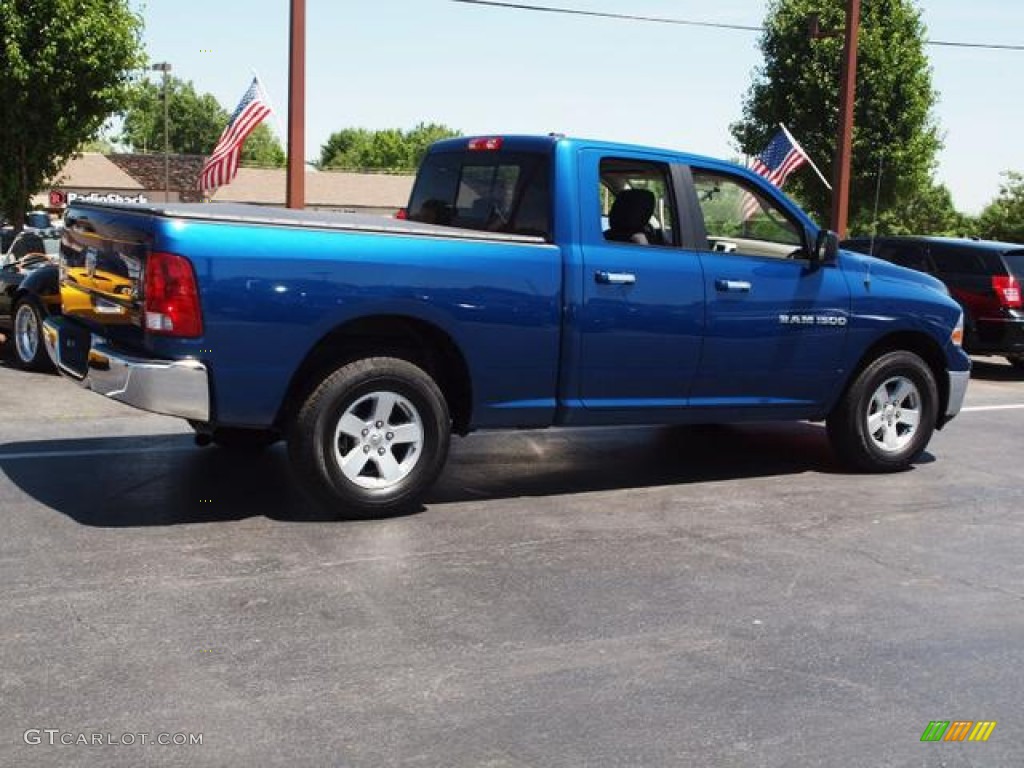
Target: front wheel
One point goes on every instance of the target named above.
(28, 336)
(887, 415)
(371, 438)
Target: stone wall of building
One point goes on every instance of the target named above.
(149, 171)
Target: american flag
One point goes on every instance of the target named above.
(222, 164)
(780, 158)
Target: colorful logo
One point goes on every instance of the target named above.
(958, 730)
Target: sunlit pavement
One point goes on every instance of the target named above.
(642, 597)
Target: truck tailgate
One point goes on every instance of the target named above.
(103, 256)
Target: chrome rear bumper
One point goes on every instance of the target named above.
(173, 387)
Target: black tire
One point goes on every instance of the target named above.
(367, 412)
(898, 396)
(27, 336)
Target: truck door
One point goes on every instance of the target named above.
(641, 315)
(776, 323)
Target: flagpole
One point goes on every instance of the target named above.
(804, 153)
(295, 195)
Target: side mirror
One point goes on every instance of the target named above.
(826, 247)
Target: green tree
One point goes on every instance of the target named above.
(65, 67)
(391, 149)
(1003, 218)
(100, 144)
(344, 148)
(195, 122)
(263, 149)
(929, 210)
(799, 85)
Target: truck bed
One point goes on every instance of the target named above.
(309, 219)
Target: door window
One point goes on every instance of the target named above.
(738, 218)
(636, 204)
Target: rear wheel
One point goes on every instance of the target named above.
(371, 438)
(28, 335)
(887, 415)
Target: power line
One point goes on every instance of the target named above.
(691, 23)
(990, 46)
(600, 14)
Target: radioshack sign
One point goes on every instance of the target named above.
(61, 199)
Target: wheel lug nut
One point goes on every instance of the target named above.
(390, 435)
(366, 432)
(366, 449)
(380, 451)
(380, 424)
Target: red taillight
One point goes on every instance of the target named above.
(1007, 291)
(171, 298)
(491, 143)
(402, 213)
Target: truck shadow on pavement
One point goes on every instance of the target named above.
(152, 481)
(556, 462)
(166, 480)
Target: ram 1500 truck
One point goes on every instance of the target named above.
(535, 281)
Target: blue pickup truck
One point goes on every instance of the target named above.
(534, 281)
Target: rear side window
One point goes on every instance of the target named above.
(1015, 263)
(956, 260)
(636, 202)
(489, 191)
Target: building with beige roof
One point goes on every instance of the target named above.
(143, 177)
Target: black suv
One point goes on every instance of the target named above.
(984, 276)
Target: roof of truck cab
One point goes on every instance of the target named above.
(537, 143)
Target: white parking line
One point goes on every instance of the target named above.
(976, 408)
(96, 452)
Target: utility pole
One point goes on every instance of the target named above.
(165, 67)
(296, 192)
(844, 139)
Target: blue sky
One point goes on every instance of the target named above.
(394, 63)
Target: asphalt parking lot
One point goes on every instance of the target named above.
(621, 597)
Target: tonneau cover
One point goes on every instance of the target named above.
(291, 217)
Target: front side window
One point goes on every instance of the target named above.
(636, 204)
(489, 191)
(739, 218)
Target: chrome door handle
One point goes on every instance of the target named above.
(736, 286)
(615, 278)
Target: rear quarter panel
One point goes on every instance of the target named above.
(269, 294)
